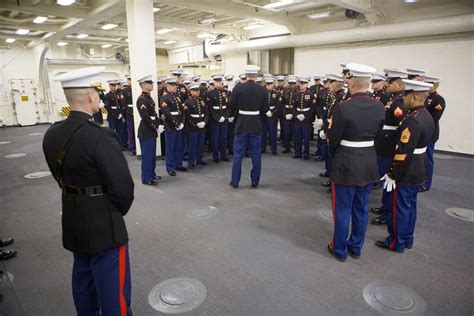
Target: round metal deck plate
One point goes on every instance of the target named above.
(203, 212)
(39, 174)
(177, 295)
(442, 156)
(35, 134)
(391, 298)
(326, 214)
(461, 213)
(15, 155)
(5, 142)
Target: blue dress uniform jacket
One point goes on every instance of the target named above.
(195, 111)
(172, 110)
(183, 93)
(113, 105)
(386, 139)
(217, 102)
(416, 131)
(150, 122)
(274, 100)
(381, 95)
(356, 120)
(332, 100)
(305, 103)
(127, 103)
(90, 224)
(248, 96)
(435, 104)
(288, 99)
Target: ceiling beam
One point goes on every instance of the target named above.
(57, 10)
(362, 6)
(195, 27)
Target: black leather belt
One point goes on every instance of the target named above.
(83, 191)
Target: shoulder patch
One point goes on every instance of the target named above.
(405, 137)
(398, 112)
(142, 107)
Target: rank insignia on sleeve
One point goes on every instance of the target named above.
(405, 137)
(164, 105)
(400, 157)
(398, 112)
(438, 107)
(429, 101)
(330, 123)
(142, 107)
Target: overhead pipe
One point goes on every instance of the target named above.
(437, 26)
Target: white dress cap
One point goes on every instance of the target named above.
(280, 78)
(415, 85)
(259, 79)
(393, 73)
(145, 78)
(80, 78)
(378, 77)
(170, 80)
(292, 79)
(194, 85)
(124, 84)
(432, 79)
(128, 77)
(303, 79)
(317, 77)
(252, 69)
(217, 77)
(196, 78)
(229, 77)
(360, 70)
(176, 72)
(242, 76)
(269, 80)
(416, 72)
(343, 66)
(333, 77)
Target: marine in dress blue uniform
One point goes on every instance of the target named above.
(270, 120)
(409, 169)
(148, 130)
(435, 104)
(386, 140)
(174, 125)
(216, 101)
(352, 129)
(127, 104)
(248, 102)
(115, 112)
(303, 110)
(197, 116)
(279, 86)
(288, 97)
(97, 192)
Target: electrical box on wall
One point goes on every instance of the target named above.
(23, 93)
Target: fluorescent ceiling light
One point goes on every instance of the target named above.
(22, 31)
(66, 2)
(109, 26)
(40, 19)
(156, 9)
(278, 4)
(253, 26)
(106, 45)
(62, 43)
(208, 20)
(169, 42)
(410, 1)
(320, 15)
(82, 35)
(203, 35)
(164, 31)
(10, 40)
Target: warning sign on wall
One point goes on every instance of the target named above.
(24, 98)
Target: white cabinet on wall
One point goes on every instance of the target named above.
(23, 93)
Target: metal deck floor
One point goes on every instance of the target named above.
(264, 254)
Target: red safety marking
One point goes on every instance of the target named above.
(123, 305)
(394, 219)
(333, 198)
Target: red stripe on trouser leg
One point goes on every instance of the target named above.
(122, 269)
(128, 135)
(333, 199)
(394, 219)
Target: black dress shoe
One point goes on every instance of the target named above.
(352, 254)
(150, 182)
(233, 186)
(7, 254)
(381, 244)
(306, 158)
(423, 189)
(274, 154)
(254, 185)
(376, 210)
(172, 173)
(296, 157)
(379, 221)
(6, 242)
(332, 253)
(156, 177)
(225, 159)
(329, 190)
(184, 169)
(326, 184)
(191, 167)
(216, 160)
(133, 154)
(324, 174)
(202, 163)
(286, 151)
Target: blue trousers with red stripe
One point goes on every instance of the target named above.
(120, 128)
(196, 147)
(301, 132)
(287, 130)
(430, 162)
(401, 219)
(349, 204)
(101, 284)
(219, 140)
(148, 147)
(241, 143)
(384, 164)
(269, 130)
(174, 150)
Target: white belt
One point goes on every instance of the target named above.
(218, 108)
(419, 151)
(196, 115)
(272, 107)
(174, 113)
(303, 110)
(348, 143)
(113, 107)
(153, 117)
(130, 105)
(389, 127)
(249, 112)
(288, 106)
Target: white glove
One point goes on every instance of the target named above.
(322, 135)
(222, 119)
(119, 117)
(180, 127)
(389, 184)
(161, 129)
(300, 117)
(269, 113)
(163, 117)
(101, 104)
(289, 116)
(318, 123)
(230, 119)
(201, 124)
